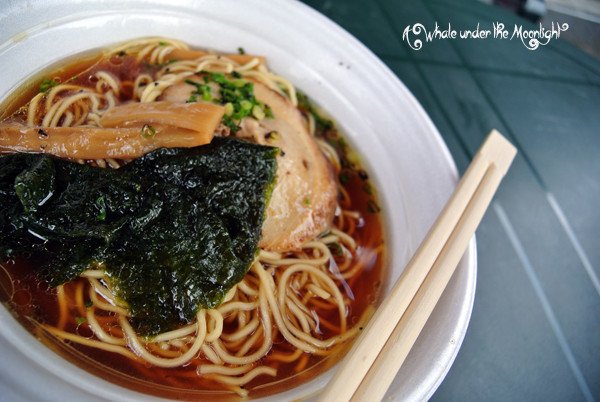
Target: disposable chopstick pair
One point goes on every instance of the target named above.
(371, 365)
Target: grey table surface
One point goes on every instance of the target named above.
(535, 329)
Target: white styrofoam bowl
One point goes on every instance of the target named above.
(401, 148)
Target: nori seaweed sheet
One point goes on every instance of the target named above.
(174, 230)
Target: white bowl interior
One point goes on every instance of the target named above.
(400, 147)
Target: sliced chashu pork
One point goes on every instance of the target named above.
(304, 198)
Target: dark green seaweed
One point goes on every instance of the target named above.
(174, 230)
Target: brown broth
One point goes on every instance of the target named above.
(60, 72)
(33, 301)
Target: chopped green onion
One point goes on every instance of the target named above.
(231, 124)
(203, 90)
(258, 113)
(148, 131)
(47, 84)
(219, 78)
(239, 83)
(246, 105)
(272, 135)
(206, 93)
(228, 109)
(237, 95)
(268, 111)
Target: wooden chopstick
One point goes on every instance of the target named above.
(370, 366)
